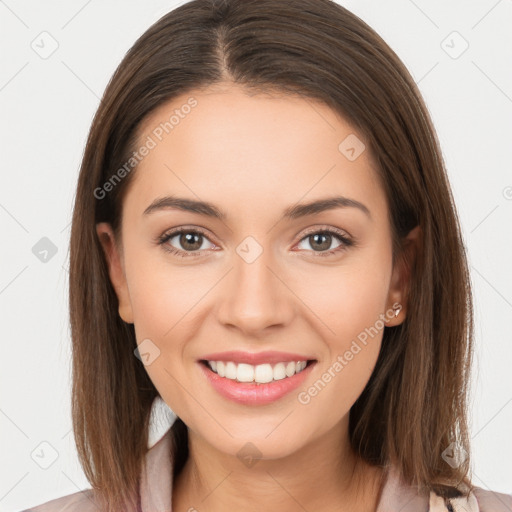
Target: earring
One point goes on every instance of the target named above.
(397, 310)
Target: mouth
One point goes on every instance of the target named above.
(257, 374)
(256, 384)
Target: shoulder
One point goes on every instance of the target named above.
(491, 501)
(397, 495)
(156, 479)
(479, 500)
(82, 501)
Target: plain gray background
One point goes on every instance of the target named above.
(460, 54)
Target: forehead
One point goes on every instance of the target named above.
(252, 150)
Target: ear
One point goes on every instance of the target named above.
(401, 278)
(115, 269)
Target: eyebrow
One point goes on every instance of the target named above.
(292, 212)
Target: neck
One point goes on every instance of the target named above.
(323, 475)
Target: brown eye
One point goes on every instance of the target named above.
(190, 241)
(185, 242)
(320, 242)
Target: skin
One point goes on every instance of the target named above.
(253, 156)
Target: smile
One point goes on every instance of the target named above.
(260, 374)
(255, 384)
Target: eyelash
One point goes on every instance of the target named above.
(162, 240)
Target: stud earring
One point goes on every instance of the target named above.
(397, 310)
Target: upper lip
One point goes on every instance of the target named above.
(255, 358)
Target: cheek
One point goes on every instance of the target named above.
(347, 300)
(161, 294)
(350, 308)
(168, 304)
(154, 302)
(351, 350)
(163, 311)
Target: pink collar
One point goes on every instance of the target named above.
(156, 486)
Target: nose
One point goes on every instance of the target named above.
(255, 297)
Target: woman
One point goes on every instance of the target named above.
(264, 238)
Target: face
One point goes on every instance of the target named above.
(266, 278)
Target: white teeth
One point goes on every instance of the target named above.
(279, 371)
(244, 372)
(261, 373)
(230, 370)
(299, 366)
(290, 369)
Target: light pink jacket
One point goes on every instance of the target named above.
(156, 492)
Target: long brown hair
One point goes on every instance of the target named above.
(415, 403)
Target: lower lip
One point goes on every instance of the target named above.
(251, 393)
